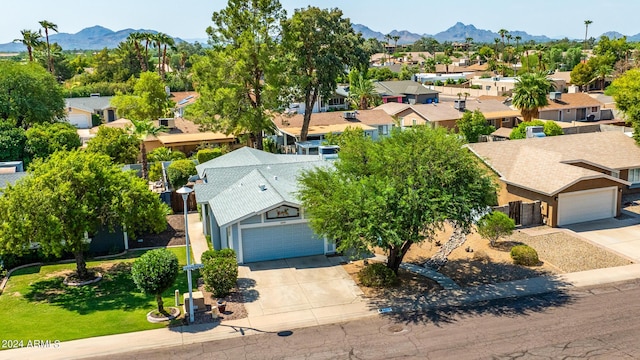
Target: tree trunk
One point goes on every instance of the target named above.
(310, 99)
(143, 155)
(396, 255)
(160, 303)
(81, 265)
(257, 138)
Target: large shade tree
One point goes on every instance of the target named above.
(626, 92)
(70, 195)
(318, 44)
(29, 95)
(395, 192)
(118, 144)
(236, 77)
(530, 94)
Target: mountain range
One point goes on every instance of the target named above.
(98, 37)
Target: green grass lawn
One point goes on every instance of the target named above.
(37, 305)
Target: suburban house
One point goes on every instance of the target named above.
(447, 113)
(571, 107)
(81, 110)
(576, 178)
(405, 91)
(500, 85)
(248, 204)
(374, 123)
(338, 101)
(10, 172)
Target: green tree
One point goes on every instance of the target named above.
(29, 95)
(395, 192)
(165, 154)
(473, 124)
(205, 155)
(362, 92)
(586, 31)
(12, 142)
(318, 44)
(530, 94)
(116, 143)
(495, 225)
(626, 92)
(236, 79)
(149, 100)
(582, 74)
(45, 139)
(141, 130)
(550, 129)
(30, 39)
(70, 195)
(154, 272)
(47, 25)
(179, 172)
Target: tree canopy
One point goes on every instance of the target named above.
(473, 124)
(149, 100)
(29, 95)
(72, 194)
(395, 192)
(550, 129)
(530, 93)
(118, 144)
(45, 139)
(626, 92)
(154, 272)
(317, 45)
(236, 79)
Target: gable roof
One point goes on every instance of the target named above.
(444, 110)
(364, 119)
(11, 178)
(401, 87)
(543, 165)
(89, 104)
(572, 101)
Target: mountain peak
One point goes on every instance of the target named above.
(94, 31)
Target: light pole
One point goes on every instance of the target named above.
(185, 191)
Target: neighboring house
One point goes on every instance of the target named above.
(571, 107)
(447, 113)
(374, 123)
(577, 178)
(248, 204)
(10, 173)
(182, 100)
(338, 101)
(405, 91)
(499, 86)
(81, 110)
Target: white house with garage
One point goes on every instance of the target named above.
(80, 110)
(248, 204)
(577, 178)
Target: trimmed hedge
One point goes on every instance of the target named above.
(377, 275)
(179, 171)
(524, 255)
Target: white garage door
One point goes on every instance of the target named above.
(80, 121)
(280, 242)
(587, 205)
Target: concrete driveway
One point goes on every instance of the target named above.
(314, 288)
(621, 236)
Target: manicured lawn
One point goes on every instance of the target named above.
(36, 305)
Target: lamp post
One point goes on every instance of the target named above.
(185, 191)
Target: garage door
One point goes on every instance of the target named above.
(80, 121)
(280, 242)
(587, 205)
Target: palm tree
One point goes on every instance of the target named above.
(31, 40)
(503, 33)
(509, 37)
(362, 92)
(446, 61)
(388, 38)
(135, 38)
(541, 48)
(395, 42)
(167, 41)
(142, 129)
(47, 25)
(496, 41)
(468, 40)
(530, 94)
(586, 31)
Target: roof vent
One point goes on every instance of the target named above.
(262, 187)
(275, 178)
(349, 114)
(555, 95)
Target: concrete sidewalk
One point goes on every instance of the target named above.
(197, 240)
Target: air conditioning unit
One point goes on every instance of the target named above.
(459, 104)
(535, 132)
(349, 114)
(167, 122)
(555, 95)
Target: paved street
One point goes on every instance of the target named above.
(594, 323)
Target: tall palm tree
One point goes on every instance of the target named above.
(135, 38)
(509, 37)
(586, 31)
(496, 41)
(31, 40)
(468, 40)
(362, 92)
(541, 48)
(446, 60)
(167, 41)
(530, 93)
(142, 129)
(395, 42)
(503, 33)
(48, 25)
(388, 38)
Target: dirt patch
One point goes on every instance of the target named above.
(172, 236)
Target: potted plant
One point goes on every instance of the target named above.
(222, 305)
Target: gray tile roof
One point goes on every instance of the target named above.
(544, 164)
(401, 87)
(90, 103)
(233, 182)
(6, 179)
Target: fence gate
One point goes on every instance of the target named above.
(514, 211)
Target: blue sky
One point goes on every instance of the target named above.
(554, 18)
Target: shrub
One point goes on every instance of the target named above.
(205, 155)
(154, 272)
(208, 255)
(220, 274)
(179, 171)
(213, 254)
(524, 255)
(377, 275)
(494, 225)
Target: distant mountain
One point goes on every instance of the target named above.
(92, 38)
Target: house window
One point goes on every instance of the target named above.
(634, 175)
(413, 122)
(594, 109)
(383, 130)
(488, 87)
